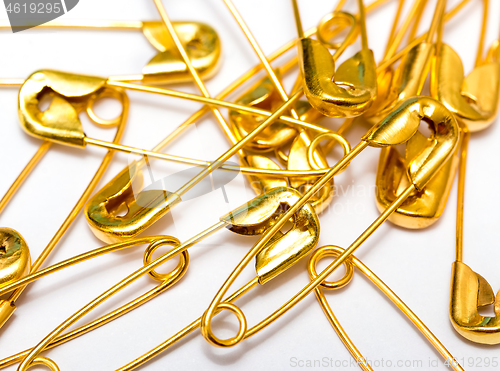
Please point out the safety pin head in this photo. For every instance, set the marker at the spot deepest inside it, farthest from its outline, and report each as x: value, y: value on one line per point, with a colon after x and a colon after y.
x: 405, y: 82
x: 202, y: 45
x: 142, y: 208
x: 70, y: 95
x: 284, y: 249
x: 15, y: 258
x: 470, y: 291
x: 422, y: 208
x: 323, y: 85
x: 475, y: 98
x: 262, y: 95
x: 264, y: 183
x: 403, y: 123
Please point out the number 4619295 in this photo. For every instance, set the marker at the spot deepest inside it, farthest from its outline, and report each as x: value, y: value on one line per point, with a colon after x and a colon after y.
x: 34, y: 8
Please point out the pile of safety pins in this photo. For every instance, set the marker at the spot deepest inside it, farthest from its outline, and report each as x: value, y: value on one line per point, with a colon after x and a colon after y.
x: 269, y: 127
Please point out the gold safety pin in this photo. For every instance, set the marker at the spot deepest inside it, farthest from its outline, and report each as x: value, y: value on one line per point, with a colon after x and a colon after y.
x: 397, y: 128
x: 85, y: 101
x: 323, y: 85
x: 202, y: 42
x: 350, y: 263
x: 40, y: 124
x: 424, y: 207
x: 315, y: 257
x: 116, y: 193
x: 469, y: 290
x: 252, y: 218
x: 297, y: 158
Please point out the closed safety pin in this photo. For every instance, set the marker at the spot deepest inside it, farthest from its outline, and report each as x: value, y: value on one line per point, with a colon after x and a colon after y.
x: 350, y: 263
x: 397, y: 128
x: 65, y: 113
x: 469, y: 290
x: 202, y: 41
x: 322, y: 83
x: 117, y: 192
x: 297, y: 159
x: 423, y: 207
x: 252, y: 218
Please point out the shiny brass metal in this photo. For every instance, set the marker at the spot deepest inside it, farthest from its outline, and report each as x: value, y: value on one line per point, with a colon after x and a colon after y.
x: 350, y: 263
x: 251, y: 218
x: 397, y: 128
x: 202, y: 45
x: 331, y: 24
x: 201, y: 41
x: 407, y: 80
x: 15, y: 261
x: 14, y: 256
x: 262, y: 184
x: 469, y: 292
x: 473, y: 99
x: 347, y: 92
x: 424, y: 207
x: 262, y: 95
x: 70, y: 94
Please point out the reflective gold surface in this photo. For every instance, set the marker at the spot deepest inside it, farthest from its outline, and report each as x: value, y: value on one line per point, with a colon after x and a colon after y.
x: 424, y: 207
x: 202, y: 45
x: 469, y: 292
x: 403, y: 123
x: 70, y: 95
x: 142, y: 208
x: 265, y: 96
x: 284, y: 249
x: 473, y: 99
x: 15, y: 261
x: 323, y: 86
x: 407, y: 80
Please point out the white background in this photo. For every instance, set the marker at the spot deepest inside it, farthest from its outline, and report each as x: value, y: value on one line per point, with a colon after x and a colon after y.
x: 415, y: 264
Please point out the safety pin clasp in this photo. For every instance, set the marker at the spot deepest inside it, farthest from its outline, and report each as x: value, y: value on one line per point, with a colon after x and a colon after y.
x: 322, y: 84
x: 473, y: 99
x: 70, y: 95
x: 403, y: 123
x: 423, y: 208
x: 202, y: 45
x: 284, y: 249
x: 405, y: 82
x: 142, y: 208
x: 262, y: 95
x: 470, y: 291
x: 15, y: 262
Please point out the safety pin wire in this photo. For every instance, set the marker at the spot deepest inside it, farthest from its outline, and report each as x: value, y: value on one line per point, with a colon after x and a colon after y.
x: 42, y: 150
x: 156, y: 351
x: 351, y: 262
x: 199, y: 83
x: 149, y: 267
x: 74, y: 212
x: 168, y: 280
x: 342, y: 334
x: 465, y: 146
